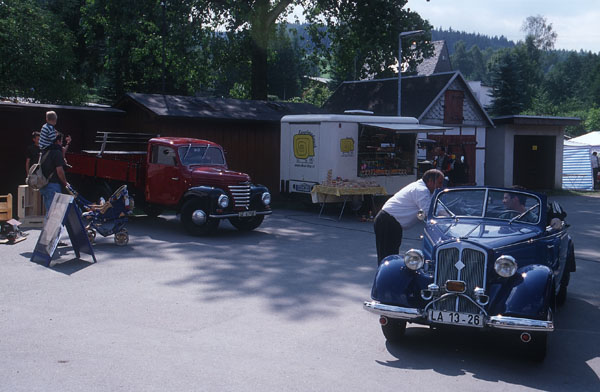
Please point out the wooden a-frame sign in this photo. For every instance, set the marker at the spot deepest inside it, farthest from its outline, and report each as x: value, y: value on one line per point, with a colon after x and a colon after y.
x: 63, y: 212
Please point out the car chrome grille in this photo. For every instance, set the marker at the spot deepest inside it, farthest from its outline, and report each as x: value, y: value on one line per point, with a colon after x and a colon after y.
x: 240, y: 195
x: 460, y: 263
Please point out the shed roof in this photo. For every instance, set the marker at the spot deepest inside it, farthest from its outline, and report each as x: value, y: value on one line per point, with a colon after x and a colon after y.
x: 536, y: 120
x: 180, y: 106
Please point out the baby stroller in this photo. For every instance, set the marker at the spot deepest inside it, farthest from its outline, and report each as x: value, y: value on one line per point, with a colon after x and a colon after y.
x: 107, y: 217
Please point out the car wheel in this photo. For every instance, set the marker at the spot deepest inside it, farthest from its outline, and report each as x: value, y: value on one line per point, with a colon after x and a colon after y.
x: 394, y: 330
x: 91, y: 233
x: 122, y: 237
x: 247, y: 224
x: 538, y: 346
x: 561, y: 297
x: 194, y: 216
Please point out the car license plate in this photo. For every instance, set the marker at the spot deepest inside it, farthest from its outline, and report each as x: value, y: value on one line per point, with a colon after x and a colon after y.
x: 456, y: 318
x: 246, y: 214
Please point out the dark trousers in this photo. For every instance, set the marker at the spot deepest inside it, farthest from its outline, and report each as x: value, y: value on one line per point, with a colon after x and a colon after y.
x: 388, y: 235
x: 595, y: 175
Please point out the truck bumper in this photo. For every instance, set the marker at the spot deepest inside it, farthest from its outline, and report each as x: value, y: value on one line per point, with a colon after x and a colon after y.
x: 237, y: 215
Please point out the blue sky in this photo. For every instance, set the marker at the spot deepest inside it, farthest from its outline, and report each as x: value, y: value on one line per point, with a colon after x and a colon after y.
x: 576, y: 22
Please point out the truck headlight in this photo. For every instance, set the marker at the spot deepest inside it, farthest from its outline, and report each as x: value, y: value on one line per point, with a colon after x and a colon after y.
x: 223, y: 201
x: 266, y: 198
x: 505, y: 266
x: 413, y: 259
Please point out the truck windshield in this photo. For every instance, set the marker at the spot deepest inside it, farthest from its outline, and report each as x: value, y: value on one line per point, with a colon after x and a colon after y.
x: 201, y: 155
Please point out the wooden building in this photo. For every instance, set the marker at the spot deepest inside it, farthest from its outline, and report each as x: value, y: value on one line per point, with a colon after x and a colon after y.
x: 19, y: 120
x: 249, y: 131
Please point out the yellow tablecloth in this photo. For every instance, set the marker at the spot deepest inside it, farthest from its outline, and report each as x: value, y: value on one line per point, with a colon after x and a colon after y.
x: 342, y: 191
x: 334, y: 194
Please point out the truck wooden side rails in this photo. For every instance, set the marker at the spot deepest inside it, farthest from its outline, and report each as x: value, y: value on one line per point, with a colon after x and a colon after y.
x: 187, y: 175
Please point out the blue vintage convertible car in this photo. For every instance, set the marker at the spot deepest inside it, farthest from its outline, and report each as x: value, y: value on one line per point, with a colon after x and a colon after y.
x: 491, y: 258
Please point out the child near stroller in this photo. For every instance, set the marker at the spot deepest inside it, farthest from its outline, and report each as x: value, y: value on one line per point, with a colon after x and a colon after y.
x: 107, y: 217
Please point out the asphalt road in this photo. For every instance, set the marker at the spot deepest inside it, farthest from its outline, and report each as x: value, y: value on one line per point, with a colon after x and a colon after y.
x: 277, y: 309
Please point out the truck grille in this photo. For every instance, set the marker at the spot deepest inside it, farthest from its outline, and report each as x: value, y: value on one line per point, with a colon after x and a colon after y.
x: 240, y: 195
x: 460, y: 263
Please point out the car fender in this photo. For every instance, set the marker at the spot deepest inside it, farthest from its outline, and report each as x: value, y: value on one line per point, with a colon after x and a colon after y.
x: 395, y: 284
x: 207, y: 193
x: 526, y: 294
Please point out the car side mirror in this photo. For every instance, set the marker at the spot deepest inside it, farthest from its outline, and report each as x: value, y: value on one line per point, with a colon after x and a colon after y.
x: 421, y: 215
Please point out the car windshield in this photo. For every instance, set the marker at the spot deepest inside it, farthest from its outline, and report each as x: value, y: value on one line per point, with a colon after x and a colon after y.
x: 201, y: 155
x: 510, y: 205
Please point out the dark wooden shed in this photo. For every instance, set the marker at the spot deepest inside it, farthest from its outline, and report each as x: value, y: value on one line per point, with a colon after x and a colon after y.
x: 249, y: 131
x: 19, y: 120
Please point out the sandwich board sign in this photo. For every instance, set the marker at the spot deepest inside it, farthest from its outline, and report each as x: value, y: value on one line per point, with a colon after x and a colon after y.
x: 63, y: 212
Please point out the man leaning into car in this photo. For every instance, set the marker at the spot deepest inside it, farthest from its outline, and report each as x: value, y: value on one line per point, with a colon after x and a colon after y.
x: 400, y: 211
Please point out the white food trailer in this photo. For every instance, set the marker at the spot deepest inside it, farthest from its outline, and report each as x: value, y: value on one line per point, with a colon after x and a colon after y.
x: 378, y: 149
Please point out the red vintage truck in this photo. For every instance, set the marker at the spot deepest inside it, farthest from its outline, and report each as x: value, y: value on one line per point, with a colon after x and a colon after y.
x: 187, y: 175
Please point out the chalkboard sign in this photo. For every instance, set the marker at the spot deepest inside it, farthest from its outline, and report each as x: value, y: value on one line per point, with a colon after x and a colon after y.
x: 63, y: 212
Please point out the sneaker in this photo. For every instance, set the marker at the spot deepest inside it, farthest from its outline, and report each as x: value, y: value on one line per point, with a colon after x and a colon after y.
x: 60, y: 243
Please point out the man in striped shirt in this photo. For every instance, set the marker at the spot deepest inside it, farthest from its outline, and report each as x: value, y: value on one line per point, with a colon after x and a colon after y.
x: 48, y: 132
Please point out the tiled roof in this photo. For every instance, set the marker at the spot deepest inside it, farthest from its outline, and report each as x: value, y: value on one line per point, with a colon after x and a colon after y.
x: 381, y: 96
x: 439, y: 62
x: 216, y: 108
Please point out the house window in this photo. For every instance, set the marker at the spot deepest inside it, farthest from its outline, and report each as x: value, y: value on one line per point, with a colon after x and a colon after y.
x: 453, y: 107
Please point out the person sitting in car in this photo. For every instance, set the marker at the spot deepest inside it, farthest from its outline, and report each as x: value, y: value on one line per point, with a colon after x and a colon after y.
x: 516, y: 202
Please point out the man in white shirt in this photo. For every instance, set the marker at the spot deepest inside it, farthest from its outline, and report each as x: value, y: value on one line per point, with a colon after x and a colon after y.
x: 400, y: 211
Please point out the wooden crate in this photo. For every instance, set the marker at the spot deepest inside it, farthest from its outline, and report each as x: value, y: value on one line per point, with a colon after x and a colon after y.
x: 6, y: 212
x: 30, y: 207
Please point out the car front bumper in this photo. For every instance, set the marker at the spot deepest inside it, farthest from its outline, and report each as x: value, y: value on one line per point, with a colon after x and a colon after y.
x: 420, y: 317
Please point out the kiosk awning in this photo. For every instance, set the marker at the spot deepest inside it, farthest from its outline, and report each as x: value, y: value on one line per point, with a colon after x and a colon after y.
x: 406, y: 127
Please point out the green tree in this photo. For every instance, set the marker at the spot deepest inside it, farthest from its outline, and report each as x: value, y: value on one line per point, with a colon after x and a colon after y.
x: 146, y: 46
x: 507, y: 85
x: 462, y: 60
x: 363, y: 37
x: 478, y: 71
x: 541, y: 31
x: 36, y: 56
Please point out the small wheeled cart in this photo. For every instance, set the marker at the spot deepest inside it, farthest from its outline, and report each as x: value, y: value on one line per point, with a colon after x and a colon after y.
x: 108, y: 217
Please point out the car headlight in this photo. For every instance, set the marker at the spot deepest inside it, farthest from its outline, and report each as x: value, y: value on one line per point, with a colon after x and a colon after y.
x: 413, y: 259
x: 223, y: 201
x: 266, y: 198
x: 505, y: 266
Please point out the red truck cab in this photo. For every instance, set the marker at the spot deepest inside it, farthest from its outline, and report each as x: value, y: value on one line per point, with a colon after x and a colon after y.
x: 187, y: 175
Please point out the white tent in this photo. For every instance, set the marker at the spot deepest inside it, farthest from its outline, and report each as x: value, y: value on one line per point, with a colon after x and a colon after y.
x: 592, y: 139
x: 577, y: 166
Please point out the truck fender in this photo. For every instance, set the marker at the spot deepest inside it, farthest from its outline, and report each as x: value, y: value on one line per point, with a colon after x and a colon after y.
x: 208, y: 193
x: 527, y: 294
x: 395, y: 284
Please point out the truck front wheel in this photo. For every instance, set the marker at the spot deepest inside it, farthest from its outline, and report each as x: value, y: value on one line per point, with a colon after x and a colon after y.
x: 194, y: 216
x: 247, y: 224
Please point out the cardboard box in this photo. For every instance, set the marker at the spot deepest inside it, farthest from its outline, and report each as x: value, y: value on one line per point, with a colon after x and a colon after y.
x: 6, y: 212
x: 30, y: 208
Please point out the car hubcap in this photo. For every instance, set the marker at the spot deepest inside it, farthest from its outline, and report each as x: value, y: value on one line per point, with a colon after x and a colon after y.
x: 199, y: 217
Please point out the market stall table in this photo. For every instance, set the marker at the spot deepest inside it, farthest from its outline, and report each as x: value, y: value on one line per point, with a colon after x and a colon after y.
x: 320, y: 194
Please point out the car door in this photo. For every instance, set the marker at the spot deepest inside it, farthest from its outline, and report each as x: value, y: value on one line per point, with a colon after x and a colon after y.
x: 164, y: 182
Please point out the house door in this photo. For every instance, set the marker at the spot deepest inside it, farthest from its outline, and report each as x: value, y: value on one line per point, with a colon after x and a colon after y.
x: 534, y: 161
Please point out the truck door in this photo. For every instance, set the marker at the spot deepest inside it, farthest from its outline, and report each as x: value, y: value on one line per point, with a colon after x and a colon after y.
x: 164, y: 180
